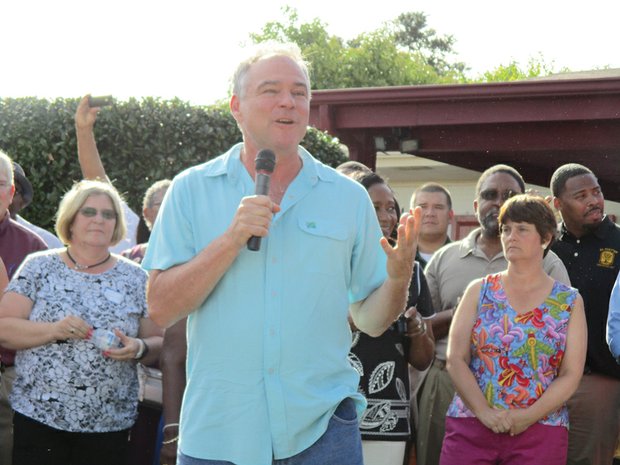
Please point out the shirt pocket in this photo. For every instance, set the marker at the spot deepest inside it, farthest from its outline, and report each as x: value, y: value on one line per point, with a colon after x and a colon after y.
x: 322, y: 228
x: 324, y: 245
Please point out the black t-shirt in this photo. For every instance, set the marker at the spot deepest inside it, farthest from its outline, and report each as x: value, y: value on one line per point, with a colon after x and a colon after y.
x: 592, y: 263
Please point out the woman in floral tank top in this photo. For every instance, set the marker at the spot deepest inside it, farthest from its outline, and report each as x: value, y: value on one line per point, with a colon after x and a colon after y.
x: 516, y: 352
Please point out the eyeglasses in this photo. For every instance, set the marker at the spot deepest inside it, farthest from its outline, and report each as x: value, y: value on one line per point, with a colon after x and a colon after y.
x: 494, y: 194
x: 90, y: 212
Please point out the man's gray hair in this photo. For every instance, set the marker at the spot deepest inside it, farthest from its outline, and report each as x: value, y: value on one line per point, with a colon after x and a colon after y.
x: 6, y: 166
x: 266, y: 50
x: 149, y: 195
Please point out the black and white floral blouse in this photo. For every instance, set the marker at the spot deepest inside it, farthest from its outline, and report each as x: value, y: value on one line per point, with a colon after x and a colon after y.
x: 70, y: 385
x: 382, y: 363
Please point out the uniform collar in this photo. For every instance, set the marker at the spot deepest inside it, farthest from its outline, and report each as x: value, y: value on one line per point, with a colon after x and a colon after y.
x: 601, y: 232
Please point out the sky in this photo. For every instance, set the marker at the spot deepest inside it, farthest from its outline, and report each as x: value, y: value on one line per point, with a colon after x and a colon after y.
x: 188, y: 49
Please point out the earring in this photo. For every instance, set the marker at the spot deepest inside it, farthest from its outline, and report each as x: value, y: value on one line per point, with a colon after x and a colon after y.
x: 544, y: 246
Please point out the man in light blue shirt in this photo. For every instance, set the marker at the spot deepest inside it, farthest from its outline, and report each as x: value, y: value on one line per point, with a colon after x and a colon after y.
x: 268, y: 380
x: 613, y: 321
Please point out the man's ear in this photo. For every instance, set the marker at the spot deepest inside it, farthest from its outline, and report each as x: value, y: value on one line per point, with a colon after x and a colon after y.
x: 450, y: 214
x: 234, y: 107
x: 557, y: 203
x: 146, y: 214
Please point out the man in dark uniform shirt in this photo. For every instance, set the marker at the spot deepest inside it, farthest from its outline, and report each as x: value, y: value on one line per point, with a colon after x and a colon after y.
x: 589, y: 244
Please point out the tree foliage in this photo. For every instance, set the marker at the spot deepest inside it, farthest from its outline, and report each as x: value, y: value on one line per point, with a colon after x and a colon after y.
x: 140, y: 141
x: 411, y: 31
x: 402, y: 52
x: 513, y: 71
x: 405, y: 51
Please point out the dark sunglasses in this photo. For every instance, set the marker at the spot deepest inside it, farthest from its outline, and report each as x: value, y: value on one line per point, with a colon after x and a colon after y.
x: 90, y: 212
x: 494, y: 194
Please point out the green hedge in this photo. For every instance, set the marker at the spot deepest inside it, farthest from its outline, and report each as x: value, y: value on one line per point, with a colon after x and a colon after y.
x: 140, y: 141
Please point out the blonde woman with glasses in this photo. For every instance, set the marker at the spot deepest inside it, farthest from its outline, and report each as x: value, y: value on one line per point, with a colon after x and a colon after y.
x: 77, y: 318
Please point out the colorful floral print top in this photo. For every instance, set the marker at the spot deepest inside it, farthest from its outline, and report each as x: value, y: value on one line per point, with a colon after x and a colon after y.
x: 515, y: 357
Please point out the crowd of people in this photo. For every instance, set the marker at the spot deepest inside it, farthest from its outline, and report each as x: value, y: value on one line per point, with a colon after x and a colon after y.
x: 357, y: 333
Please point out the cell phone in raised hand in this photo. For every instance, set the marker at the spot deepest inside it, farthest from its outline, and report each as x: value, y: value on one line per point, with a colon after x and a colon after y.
x: 100, y: 101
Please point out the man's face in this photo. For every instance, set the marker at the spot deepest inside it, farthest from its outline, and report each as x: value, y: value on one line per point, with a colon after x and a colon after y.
x: 150, y: 213
x: 274, y: 106
x: 581, y: 204
x: 18, y: 202
x: 495, y: 190
x: 6, y: 193
x: 436, y: 215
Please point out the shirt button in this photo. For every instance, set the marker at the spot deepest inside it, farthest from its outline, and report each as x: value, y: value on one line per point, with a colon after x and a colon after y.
x: 576, y: 254
x: 274, y: 294
x: 270, y: 371
x: 274, y: 260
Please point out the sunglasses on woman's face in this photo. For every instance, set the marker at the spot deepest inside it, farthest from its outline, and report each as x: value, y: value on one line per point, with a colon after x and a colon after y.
x: 90, y: 212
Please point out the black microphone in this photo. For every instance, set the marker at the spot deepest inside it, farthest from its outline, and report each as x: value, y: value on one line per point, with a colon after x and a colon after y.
x: 265, y: 163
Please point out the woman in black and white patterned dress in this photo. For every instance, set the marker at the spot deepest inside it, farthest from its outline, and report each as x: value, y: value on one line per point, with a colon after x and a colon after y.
x: 75, y: 402
x: 383, y: 362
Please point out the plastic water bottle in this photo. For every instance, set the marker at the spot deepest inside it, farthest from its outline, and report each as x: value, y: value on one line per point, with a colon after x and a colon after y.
x: 105, y: 339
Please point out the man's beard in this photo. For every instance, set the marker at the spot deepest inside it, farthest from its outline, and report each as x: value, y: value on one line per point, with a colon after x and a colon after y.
x: 590, y: 227
x: 489, y: 224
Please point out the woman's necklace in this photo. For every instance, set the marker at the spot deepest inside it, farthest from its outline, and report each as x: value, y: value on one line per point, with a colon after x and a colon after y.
x: 80, y: 267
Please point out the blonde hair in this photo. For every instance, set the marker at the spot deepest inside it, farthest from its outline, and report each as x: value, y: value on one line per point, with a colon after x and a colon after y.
x: 73, y: 200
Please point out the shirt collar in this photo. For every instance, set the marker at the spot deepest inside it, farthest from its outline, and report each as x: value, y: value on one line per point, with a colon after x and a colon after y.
x: 230, y: 163
x: 601, y: 232
x: 468, y: 244
x: 4, y: 222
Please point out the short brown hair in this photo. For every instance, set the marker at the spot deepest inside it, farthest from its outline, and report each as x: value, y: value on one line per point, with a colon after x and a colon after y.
x: 432, y: 187
x: 532, y: 209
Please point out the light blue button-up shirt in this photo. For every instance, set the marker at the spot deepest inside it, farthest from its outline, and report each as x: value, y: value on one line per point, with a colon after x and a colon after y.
x: 267, y: 351
x: 613, y: 320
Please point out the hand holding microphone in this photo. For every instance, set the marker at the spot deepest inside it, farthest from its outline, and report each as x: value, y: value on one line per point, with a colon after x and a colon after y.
x: 265, y: 163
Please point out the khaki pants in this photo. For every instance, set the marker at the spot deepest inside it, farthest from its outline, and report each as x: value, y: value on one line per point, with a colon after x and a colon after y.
x: 6, y: 416
x: 435, y: 397
x: 594, y: 416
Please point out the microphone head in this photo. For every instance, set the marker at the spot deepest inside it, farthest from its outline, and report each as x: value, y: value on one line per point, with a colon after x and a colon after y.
x: 265, y: 161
